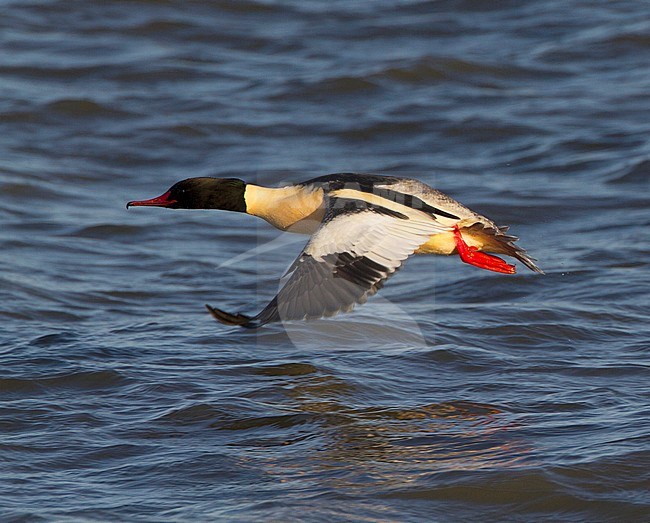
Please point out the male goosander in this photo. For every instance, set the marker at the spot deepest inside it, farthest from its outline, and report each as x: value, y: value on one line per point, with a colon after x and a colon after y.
x: 362, y: 226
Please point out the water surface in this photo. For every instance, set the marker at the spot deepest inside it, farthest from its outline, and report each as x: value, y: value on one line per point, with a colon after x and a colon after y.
x: 455, y: 394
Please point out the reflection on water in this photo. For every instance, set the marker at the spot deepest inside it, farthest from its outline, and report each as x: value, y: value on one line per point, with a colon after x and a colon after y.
x: 394, y: 445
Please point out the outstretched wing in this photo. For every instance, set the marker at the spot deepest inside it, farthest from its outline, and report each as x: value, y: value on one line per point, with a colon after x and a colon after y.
x: 357, y: 248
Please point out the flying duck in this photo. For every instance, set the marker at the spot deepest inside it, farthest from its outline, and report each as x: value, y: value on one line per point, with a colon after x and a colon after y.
x: 363, y: 227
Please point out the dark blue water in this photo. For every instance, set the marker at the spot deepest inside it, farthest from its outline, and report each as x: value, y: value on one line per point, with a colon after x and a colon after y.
x: 453, y: 395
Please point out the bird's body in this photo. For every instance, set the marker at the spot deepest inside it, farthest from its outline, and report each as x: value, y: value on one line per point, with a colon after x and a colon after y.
x: 362, y: 227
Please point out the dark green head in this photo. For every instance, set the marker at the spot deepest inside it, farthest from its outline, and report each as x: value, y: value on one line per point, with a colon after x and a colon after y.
x: 200, y: 193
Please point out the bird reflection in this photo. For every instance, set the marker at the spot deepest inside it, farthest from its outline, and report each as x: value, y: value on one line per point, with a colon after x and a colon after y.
x: 394, y: 445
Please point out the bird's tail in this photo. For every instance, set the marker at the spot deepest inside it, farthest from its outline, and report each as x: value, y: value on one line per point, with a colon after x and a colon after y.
x: 497, y: 241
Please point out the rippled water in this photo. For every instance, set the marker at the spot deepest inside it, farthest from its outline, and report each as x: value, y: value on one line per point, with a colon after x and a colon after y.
x: 455, y: 394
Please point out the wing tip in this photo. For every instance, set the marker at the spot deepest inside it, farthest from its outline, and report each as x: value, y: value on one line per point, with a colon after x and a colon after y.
x: 239, y: 320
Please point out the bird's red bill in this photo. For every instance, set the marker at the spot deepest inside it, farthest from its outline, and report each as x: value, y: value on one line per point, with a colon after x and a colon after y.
x: 480, y: 259
x: 164, y: 200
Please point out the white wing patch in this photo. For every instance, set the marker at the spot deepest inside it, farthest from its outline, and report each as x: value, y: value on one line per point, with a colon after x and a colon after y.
x: 356, y: 249
x: 384, y: 239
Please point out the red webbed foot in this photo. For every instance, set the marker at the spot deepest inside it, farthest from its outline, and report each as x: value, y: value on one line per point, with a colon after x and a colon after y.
x: 480, y: 259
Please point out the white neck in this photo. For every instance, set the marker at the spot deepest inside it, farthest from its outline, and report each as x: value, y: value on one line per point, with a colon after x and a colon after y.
x: 286, y: 206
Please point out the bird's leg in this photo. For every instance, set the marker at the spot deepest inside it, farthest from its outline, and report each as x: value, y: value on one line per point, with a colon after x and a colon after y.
x: 480, y: 259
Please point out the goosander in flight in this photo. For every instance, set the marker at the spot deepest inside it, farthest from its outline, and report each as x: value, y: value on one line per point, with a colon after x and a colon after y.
x: 363, y: 228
